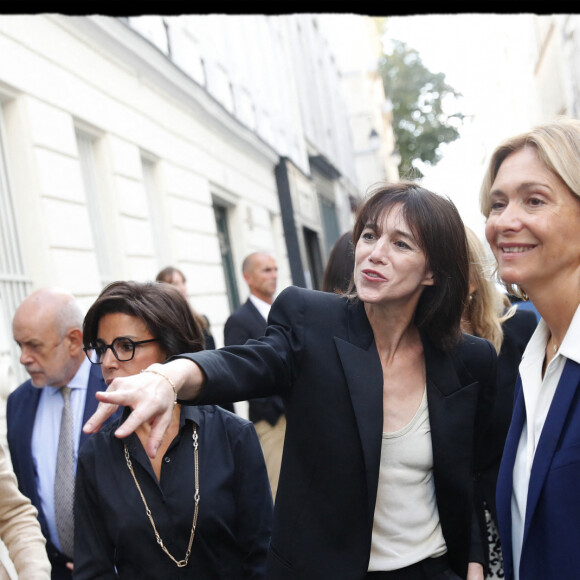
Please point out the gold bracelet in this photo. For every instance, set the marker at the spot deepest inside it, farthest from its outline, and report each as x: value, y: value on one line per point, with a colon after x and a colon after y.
x: 167, y: 379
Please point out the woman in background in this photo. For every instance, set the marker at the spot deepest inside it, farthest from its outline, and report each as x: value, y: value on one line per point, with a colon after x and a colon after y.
x: 176, y: 278
x: 202, y: 508
x: 340, y: 266
x: 489, y: 314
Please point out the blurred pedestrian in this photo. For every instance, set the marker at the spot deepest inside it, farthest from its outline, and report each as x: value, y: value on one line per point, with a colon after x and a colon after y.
x: 340, y: 266
x: 176, y: 278
x: 249, y: 321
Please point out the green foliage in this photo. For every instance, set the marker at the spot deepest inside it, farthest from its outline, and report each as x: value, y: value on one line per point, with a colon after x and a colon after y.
x: 419, y: 120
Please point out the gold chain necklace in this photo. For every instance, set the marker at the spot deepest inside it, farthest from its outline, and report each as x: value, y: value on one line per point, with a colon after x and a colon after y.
x: 180, y: 563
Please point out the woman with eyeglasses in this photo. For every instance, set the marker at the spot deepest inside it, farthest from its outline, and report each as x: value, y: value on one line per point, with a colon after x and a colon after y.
x: 202, y: 508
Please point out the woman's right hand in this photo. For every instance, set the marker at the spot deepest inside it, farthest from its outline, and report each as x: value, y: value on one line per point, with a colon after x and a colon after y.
x: 151, y: 398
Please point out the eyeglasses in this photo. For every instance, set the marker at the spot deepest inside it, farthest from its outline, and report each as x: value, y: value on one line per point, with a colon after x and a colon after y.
x: 122, y: 347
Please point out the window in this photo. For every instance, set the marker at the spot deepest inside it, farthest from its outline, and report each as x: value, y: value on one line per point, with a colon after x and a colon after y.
x: 315, y: 272
x: 14, y: 285
x: 87, y: 159
x: 158, y: 231
x: 221, y: 218
x: 329, y: 223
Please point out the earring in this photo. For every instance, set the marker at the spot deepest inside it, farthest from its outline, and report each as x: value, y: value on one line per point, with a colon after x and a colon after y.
x: 523, y: 294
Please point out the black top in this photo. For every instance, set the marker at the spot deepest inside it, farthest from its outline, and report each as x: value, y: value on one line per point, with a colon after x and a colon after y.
x: 235, y: 509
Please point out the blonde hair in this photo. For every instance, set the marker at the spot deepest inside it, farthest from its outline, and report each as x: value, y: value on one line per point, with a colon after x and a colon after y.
x: 485, y: 309
x: 557, y: 144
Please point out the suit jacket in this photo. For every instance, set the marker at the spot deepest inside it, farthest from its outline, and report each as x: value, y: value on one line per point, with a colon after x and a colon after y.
x: 517, y: 332
x: 20, y: 415
x: 552, y: 524
x: 246, y: 323
x: 319, y: 353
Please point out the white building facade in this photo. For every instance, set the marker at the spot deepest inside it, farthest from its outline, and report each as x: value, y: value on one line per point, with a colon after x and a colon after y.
x: 130, y: 144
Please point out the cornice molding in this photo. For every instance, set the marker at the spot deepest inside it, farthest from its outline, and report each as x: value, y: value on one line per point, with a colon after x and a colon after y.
x: 136, y: 52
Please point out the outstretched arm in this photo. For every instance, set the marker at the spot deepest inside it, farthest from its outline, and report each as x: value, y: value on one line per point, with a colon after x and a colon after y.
x: 151, y: 396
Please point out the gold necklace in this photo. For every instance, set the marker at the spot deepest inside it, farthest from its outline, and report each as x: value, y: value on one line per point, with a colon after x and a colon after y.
x: 180, y: 563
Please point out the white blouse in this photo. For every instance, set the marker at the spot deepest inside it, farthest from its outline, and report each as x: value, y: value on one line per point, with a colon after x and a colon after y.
x: 406, y: 526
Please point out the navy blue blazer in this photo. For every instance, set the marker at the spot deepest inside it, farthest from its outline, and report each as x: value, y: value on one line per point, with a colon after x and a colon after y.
x: 552, y: 526
x: 20, y: 415
x: 319, y: 353
x: 246, y: 323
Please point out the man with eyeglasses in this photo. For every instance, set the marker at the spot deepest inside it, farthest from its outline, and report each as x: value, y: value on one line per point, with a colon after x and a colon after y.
x: 48, y: 328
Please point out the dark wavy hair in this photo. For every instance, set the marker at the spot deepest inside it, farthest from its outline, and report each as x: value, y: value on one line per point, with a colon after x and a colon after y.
x: 161, y: 307
x: 440, y: 233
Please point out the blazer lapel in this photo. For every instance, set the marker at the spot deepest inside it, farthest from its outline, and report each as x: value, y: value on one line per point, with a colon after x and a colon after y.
x: 364, y: 376
x: 550, y: 436
x: 27, y: 418
x: 95, y: 383
x: 442, y: 382
x: 259, y: 321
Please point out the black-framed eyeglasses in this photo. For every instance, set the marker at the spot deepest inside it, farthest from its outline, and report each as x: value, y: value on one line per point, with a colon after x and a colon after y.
x: 122, y: 347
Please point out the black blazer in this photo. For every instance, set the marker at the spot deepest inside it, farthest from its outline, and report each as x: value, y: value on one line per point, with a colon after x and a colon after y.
x: 245, y: 323
x: 319, y: 354
x: 517, y: 332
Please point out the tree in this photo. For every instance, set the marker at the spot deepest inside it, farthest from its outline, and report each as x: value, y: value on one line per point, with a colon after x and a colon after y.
x: 420, y: 123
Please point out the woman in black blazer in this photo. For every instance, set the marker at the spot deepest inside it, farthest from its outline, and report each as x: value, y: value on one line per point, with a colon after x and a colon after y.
x: 380, y: 388
x: 489, y: 314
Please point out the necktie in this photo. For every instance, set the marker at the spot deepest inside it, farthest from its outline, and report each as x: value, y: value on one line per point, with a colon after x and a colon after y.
x: 65, y: 478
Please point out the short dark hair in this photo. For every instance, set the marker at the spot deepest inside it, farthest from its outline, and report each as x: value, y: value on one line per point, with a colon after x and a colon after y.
x: 161, y: 307
x: 340, y: 266
x: 440, y: 233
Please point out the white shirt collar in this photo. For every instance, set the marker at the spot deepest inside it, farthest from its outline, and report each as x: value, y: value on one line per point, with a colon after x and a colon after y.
x: 570, y: 347
x: 536, y: 348
x: 263, y: 307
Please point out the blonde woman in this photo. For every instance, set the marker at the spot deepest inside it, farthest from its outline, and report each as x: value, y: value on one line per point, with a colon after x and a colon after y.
x: 489, y: 314
x: 531, y: 198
